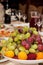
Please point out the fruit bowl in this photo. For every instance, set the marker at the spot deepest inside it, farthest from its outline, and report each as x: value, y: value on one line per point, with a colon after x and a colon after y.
x: 25, y: 61
x: 23, y: 46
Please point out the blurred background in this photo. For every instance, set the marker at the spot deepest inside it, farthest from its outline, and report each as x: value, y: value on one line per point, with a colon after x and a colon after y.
x: 25, y: 6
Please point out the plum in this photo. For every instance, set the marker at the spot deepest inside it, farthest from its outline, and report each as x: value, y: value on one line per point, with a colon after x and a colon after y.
x: 31, y: 56
x: 20, y: 30
x: 40, y: 47
x: 25, y: 44
x: 30, y: 40
x: 38, y: 39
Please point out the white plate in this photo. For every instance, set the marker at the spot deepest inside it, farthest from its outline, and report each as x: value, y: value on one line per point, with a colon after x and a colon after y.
x: 3, y: 60
x: 25, y: 61
x: 13, y: 19
x: 21, y: 24
x: 41, y: 33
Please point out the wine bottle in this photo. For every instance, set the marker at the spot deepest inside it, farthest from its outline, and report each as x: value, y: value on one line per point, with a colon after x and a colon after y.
x: 7, y: 16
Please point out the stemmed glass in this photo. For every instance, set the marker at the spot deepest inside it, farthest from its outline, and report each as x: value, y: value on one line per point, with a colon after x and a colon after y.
x: 42, y: 20
x: 39, y: 23
x: 34, y: 17
x: 24, y: 17
x: 19, y: 14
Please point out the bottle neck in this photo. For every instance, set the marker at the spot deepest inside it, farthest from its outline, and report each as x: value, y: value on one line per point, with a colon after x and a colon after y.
x: 7, y: 5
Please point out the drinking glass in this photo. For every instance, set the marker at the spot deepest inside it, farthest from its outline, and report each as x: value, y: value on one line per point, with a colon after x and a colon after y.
x: 39, y: 23
x: 42, y: 20
x: 19, y: 14
x: 24, y: 17
x: 34, y: 17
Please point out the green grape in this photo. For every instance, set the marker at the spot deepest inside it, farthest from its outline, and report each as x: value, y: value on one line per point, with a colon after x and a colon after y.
x: 21, y: 48
x: 9, y: 44
x: 14, y: 33
x: 26, y: 35
x: 14, y: 44
x: 0, y: 48
x: 19, y: 37
x: 3, y: 51
x: 16, y: 39
x: 32, y: 50
x: 22, y: 36
x: 4, y: 42
x: 34, y: 29
x: 25, y: 29
x: 35, y: 46
x: 16, y: 51
x: 10, y: 39
x: 35, y: 32
x: 19, y: 45
x: 19, y: 42
x: 11, y: 47
x: 27, y: 51
x: 31, y: 28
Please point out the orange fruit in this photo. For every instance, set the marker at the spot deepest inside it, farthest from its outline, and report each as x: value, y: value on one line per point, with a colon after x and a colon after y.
x: 9, y: 54
x: 22, y: 55
x: 39, y: 55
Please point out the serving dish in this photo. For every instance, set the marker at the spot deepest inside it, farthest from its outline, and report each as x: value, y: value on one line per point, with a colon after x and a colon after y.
x: 3, y: 60
x: 24, y: 46
x: 25, y: 61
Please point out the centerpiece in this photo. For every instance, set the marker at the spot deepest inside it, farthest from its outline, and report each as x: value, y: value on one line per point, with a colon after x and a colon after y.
x: 24, y: 45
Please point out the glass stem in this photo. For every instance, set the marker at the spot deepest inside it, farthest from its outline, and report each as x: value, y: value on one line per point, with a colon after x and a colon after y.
x: 24, y: 21
x: 38, y: 28
x: 35, y: 21
x: 19, y: 19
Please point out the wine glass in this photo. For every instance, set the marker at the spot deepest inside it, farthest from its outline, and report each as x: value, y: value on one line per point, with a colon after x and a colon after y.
x: 42, y: 20
x: 24, y: 17
x: 34, y: 17
x: 19, y: 14
x: 39, y: 23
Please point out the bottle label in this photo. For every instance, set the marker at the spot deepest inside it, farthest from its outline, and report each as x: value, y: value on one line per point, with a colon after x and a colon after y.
x: 8, y: 12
